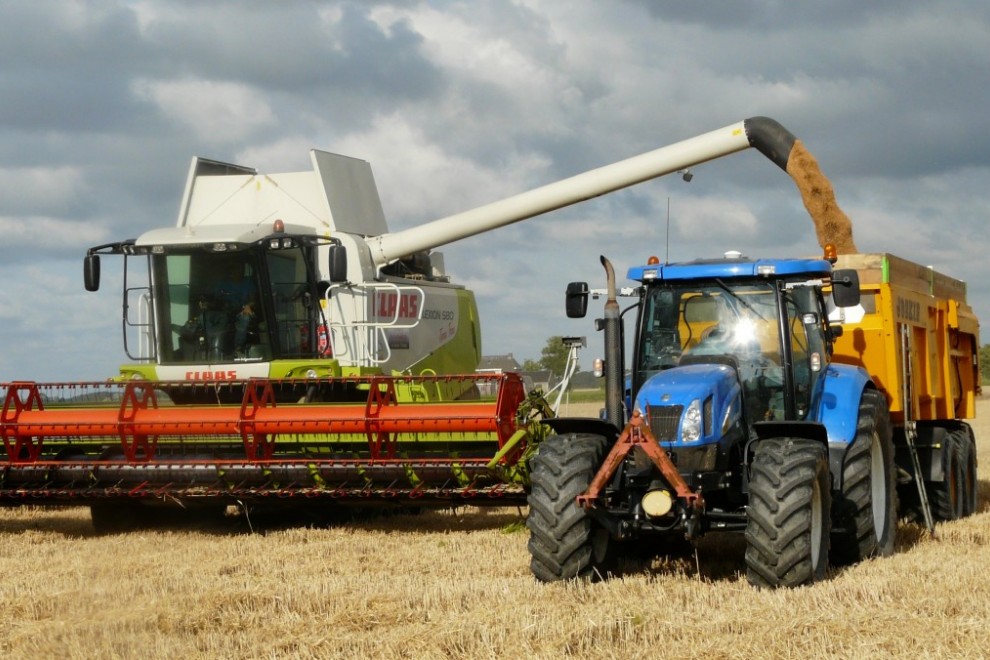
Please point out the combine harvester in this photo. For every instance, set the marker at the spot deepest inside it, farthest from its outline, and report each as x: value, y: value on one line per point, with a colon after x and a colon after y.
x: 288, y: 349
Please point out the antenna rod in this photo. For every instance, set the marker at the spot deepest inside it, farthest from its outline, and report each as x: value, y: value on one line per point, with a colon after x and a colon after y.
x: 666, y: 256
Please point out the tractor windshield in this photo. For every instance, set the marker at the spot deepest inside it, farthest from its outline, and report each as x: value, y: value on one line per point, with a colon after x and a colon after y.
x: 736, y: 323
x: 242, y: 306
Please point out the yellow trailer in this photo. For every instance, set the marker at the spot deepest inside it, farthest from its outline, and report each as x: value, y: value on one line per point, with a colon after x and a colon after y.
x: 919, y: 339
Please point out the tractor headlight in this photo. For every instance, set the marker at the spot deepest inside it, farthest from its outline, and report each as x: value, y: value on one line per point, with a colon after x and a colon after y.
x: 691, y: 426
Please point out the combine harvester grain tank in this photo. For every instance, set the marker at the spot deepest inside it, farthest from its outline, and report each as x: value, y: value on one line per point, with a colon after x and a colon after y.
x: 288, y: 348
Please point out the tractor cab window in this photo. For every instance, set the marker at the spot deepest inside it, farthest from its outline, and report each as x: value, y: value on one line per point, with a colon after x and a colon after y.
x: 807, y: 329
x: 728, y: 322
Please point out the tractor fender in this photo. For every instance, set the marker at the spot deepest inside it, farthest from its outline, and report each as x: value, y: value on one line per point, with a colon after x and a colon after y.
x: 591, y: 425
x: 842, y: 390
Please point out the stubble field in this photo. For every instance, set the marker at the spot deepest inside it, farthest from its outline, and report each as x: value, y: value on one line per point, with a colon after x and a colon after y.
x: 457, y: 584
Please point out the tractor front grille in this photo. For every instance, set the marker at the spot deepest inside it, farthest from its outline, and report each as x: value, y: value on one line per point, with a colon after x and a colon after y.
x: 664, y: 422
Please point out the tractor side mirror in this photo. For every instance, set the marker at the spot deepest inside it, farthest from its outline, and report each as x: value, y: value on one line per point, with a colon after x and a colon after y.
x: 337, y: 263
x: 845, y: 287
x: 577, y: 300
x: 91, y: 272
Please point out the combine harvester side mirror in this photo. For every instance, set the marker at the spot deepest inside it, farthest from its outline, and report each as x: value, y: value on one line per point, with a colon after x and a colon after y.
x: 337, y: 263
x: 91, y: 272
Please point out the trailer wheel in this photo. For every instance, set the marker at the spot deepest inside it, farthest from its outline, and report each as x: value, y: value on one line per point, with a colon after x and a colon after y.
x: 787, y: 520
x: 864, y: 516
x: 565, y: 542
x: 971, y: 488
x: 948, y: 496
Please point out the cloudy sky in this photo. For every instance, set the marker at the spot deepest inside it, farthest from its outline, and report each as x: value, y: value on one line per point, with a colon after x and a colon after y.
x: 457, y: 104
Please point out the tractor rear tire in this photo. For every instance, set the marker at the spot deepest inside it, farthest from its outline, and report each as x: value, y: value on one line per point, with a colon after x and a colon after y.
x: 864, y: 516
x: 948, y: 496
x: 787, y: 520
x: 565, y: 542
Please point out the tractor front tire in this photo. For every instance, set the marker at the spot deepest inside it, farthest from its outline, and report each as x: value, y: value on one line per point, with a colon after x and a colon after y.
x: 565, y: 542
x: 787, y: 520
x: 864, y: 516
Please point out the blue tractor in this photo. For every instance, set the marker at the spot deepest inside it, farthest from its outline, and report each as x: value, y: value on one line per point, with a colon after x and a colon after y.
x: 731, y: 417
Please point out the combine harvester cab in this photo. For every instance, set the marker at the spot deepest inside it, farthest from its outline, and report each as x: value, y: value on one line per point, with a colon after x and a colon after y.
x: 269, y: 276
x: 767, y: 398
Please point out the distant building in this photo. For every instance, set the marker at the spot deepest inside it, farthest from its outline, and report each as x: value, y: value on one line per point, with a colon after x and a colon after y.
x: 499, y: 364
x: 541, y: 380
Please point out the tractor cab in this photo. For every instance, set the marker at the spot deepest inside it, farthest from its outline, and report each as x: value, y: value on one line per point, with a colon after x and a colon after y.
x: 755, y: 327
x: 711, y: 328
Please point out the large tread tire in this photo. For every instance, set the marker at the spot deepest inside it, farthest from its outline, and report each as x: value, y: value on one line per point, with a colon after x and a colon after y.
x: 864, y: 515
x: 971, y: 487
x: 948, y: 496
x: 787, y: 520
x: 565, y: 542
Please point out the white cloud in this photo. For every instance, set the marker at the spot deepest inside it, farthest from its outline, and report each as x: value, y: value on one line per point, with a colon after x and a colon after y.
x: 417, y: 176
x: 39, y: 232
x: 52, y: 188
x: 217, y: 112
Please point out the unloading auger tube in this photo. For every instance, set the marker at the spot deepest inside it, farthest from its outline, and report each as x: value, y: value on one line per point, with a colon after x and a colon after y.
x: 767, y: 135
x: 90, y: 441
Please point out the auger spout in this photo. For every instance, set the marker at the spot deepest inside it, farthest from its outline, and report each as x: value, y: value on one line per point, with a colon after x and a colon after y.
x: 766, y: 135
